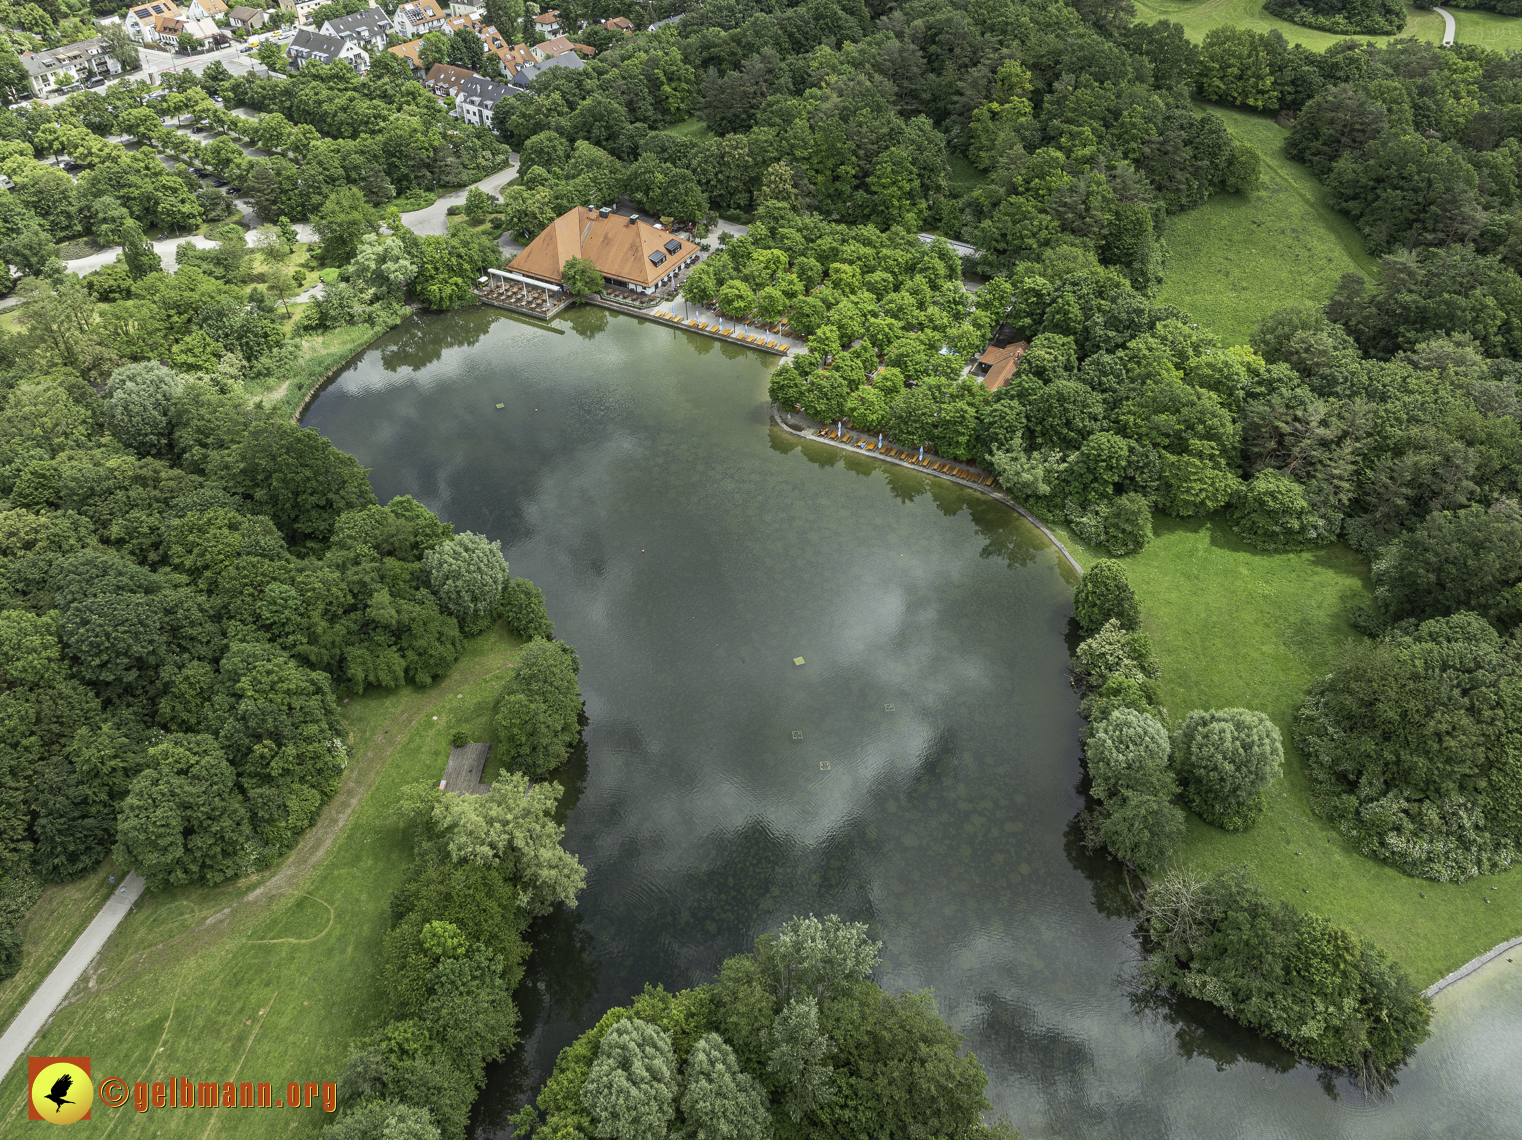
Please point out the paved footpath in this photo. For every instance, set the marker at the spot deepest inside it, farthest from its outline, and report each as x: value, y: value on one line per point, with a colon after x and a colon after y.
x: 34, y: 1017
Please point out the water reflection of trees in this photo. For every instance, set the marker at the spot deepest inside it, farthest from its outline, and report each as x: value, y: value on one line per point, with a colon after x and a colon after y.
x: 559, y: 984
x: 422, y: 340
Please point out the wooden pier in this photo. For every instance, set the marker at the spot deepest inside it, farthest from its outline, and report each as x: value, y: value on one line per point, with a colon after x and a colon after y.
x: 467, y: 764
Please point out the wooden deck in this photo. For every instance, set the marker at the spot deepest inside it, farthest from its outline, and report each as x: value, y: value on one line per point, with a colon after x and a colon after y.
x: 467, y: 764
x: 514, y: 305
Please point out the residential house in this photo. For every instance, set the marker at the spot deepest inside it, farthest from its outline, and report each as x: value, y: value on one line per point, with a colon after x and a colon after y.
x: 513, y: 56
x: 144, y: 21
x: 629, y: 253
x: 663, y: 23
x: 525, y: 74
x: 619, y: 24
x: 445, y: 79
x: 559, y: 46
x: 477, y: 99
x: 63, y: 66
x: 308, y: 46
x: 456, y: 8
x: 548, y: 23
x: 415, y: 20
x: 368, y: 29
x: 204, y: 30
x: 302, y: 8
x: 411, y: 52
x: 207, y: 9
x: 245, y: 17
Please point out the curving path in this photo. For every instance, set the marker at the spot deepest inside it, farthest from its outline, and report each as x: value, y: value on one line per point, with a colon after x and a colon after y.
x: 1449, y: 26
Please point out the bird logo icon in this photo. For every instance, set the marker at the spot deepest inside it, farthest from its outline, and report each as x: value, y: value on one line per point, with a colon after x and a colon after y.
x: 61, y: 1089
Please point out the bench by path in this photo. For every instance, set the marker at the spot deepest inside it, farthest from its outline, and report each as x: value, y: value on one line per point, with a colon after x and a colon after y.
x: 35, y: 1015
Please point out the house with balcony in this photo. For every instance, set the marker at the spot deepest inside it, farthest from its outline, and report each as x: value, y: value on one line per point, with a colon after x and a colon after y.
x: 62, y: 66
x: 308, y: 46
x: 414, y: 21
x: 367, y: 29
x: 478, y: 98
x: 444, y: 80
x: 144, y: 22
x: 548, y: 23
x: 207, y: 9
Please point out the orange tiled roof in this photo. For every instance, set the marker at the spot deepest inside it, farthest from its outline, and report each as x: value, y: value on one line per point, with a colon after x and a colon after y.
x: 618, y: 249
x: 409, y: 51
x: 1001, y: 363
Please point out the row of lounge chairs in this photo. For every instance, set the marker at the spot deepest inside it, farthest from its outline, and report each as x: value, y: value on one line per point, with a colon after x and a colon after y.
x: 934, y: 462
x: 703, y: 326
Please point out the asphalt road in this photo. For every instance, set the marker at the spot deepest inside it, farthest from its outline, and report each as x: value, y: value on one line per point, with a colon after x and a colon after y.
x: 1450, y: 27
x: 34, y: 1017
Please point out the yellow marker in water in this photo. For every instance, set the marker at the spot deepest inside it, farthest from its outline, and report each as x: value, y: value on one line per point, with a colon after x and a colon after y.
x: 797, y: 660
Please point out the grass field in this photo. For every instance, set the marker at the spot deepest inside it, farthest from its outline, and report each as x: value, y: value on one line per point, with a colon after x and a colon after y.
x: 1199, y: 17
x: 269, y: 978
x: 1235, y: 627
x: 1487, y: 28
x: 1240, y: 256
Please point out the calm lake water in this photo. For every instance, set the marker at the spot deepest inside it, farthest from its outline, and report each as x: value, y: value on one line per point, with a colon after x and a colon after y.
x: 919, y: 770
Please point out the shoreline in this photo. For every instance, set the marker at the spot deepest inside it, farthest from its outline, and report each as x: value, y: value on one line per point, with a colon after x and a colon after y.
x: 997, y: 496
x: 1470, y: 967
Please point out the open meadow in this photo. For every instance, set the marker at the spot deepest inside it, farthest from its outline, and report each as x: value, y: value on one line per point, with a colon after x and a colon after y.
x: 1241, y: 256
x: 1235, y: 627
x: 267, y: 978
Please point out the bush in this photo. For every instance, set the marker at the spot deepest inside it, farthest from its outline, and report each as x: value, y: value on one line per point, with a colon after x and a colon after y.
x: 1103, y: 594
x: 459, y: 738
x: 1271, y: 513
x: 1112, y: 652
x: 522, y: 610
x: 538, y: 715
x: 632, y: 1088
x: 1226, y: 758
x: 1127, y: 525
x: 467, y: 574
x: 1127, y: 756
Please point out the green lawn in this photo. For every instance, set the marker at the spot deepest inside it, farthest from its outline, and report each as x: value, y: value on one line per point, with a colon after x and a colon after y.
x: 1499, y: 33
x: 1199, y: 16
x: 963, y: 176
x: 1240, y: 256
x: 693, y: 128
x: 1235, y: 627
x: 269, y: 978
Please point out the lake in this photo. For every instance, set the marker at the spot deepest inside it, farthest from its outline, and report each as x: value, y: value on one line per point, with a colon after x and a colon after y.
x: 919, y: 770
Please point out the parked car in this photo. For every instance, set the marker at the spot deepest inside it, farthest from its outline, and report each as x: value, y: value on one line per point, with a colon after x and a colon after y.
x: 71, y: 88
x: 233, y: 191
x: 71, y: 167
x: 245, y: 50
x: 98, y: 81
x: 217, y: 99
x: 219, y: 183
